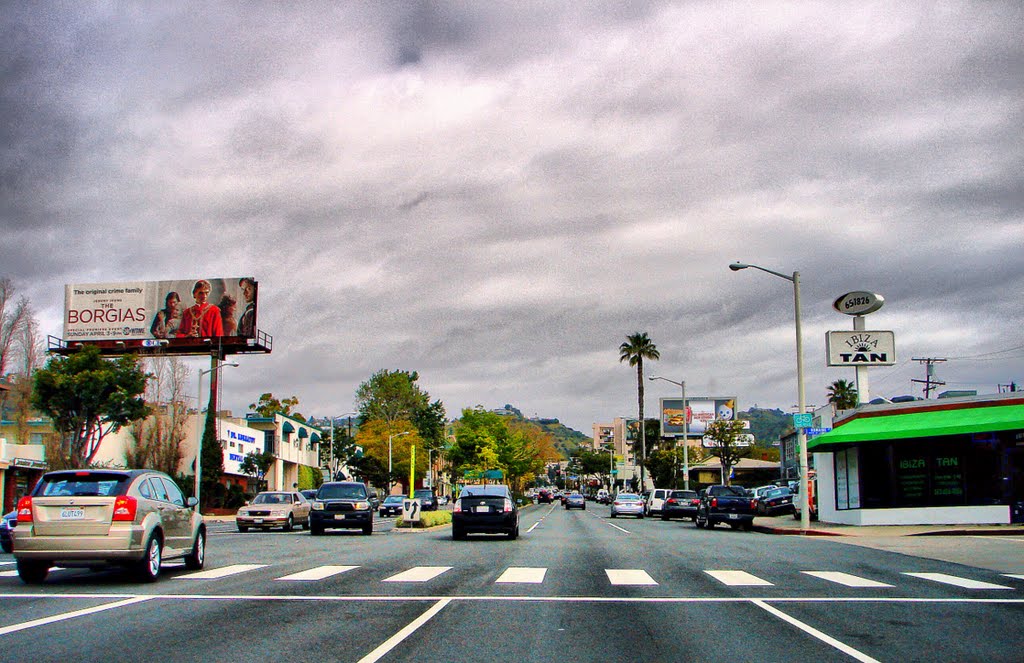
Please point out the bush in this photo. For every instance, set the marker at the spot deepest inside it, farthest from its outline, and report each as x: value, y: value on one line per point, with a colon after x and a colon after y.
x: 428, y: 519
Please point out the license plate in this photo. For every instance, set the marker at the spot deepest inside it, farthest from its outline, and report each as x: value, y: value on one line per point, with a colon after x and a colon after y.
x: 339, y: 516
x: 72, y: 514
x: 733, y: 516
x: 482, y: 509
x: 257, y: 520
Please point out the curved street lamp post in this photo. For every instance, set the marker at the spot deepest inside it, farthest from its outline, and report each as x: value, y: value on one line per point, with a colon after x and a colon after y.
x: 199, y: 420
x: 805, y: 515
x: 686, y: 431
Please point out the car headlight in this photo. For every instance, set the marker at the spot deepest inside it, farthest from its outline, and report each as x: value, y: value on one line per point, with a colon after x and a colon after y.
x: 361, y: 506
x: 243, y: 512
x: 317, y: 506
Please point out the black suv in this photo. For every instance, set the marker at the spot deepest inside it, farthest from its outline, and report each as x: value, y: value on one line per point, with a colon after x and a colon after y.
x: 487, y: 509
x: 428, y: 501
x: 341, y: 505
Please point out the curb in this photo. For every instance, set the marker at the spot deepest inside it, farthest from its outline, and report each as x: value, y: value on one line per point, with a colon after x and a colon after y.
x: 788, y: 531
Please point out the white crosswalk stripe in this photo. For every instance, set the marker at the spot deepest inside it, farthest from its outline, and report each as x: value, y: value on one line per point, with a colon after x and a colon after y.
x: 222, y: 572
x: 1018, y: 576
x: 318, y: 573
x: 845, y: 579
x: 418, y: 574
x: 629, y: 577
x: 956, y: 581
x: 738, y: 579
x: 522, y: 574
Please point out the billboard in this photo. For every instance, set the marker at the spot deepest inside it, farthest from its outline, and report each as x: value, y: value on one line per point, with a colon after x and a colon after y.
x: 161, y: 310
x: 860, y: 348
x: 699, y: 411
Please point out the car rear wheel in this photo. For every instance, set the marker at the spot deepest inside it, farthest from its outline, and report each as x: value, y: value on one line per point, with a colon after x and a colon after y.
x: 664, y: 516
x: 148, y: 568
x: 243, y: 529
x: 458, y: 534
x: 289, y: 524
x: 195, y: 560
x: 368, y: 529
x: 32, y: 572
x: 315, y: 530
x: 514, y: 534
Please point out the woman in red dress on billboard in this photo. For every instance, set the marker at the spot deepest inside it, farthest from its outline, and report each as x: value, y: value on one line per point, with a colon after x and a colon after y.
x: 203, y: 319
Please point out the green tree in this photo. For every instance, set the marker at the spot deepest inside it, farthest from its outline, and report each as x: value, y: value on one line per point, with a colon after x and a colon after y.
x: 391, y: 396
x: 373, y: 438
x: 88, y: 397
x: 267, y: 406
x: 843, y: 394
x: 339, y: 452
x: 637, y: 348
x: 666, y: 467
x: 487, y: 441
x: 724, y: 434
x: 255, y: 466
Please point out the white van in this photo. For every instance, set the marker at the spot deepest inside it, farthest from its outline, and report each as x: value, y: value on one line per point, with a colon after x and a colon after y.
x: 657, y: 498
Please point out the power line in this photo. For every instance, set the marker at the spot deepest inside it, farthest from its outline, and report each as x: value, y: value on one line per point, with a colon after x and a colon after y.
x: 929, y: 380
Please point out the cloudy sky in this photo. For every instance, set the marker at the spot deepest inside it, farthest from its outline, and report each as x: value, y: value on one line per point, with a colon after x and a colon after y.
x: 495, y: 194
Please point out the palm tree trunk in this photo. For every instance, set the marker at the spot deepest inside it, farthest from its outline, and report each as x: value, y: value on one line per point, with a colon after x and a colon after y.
x: 643, y: 432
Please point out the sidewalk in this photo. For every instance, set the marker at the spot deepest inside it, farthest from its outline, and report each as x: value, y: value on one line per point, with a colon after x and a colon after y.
x: 786, y: 525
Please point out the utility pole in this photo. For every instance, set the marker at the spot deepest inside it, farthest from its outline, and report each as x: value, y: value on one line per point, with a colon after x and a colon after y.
x: 929, y: 382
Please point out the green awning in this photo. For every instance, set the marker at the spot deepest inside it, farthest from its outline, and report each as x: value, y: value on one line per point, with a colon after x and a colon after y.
x: 315, y: 438
x: 303, y: 433
x: 960, y: 421
x: 287, y: 428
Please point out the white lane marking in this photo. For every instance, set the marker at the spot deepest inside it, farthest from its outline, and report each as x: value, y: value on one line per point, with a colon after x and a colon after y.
x: 8, y: 574
x: 397, y: 638
x: 810, y: 630
x: 523, y: 574
x: 619, y: 528
x: 845, y: 579
x: 7, y: 563
x: 534, y: 526
x: 418, y: 574
x: 738, y: 579
x: 629, y: 577
x: 997, y: 538
x: 74, y: 613
x: 222, y: 572
x: 966, y: 583
x: 318, y: 573
x: 1018, y: 576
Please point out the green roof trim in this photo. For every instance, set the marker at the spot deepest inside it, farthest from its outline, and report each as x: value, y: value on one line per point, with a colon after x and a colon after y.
x: 960, y: 421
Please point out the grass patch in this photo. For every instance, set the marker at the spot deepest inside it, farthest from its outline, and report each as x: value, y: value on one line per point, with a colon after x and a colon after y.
x: 428, y: 519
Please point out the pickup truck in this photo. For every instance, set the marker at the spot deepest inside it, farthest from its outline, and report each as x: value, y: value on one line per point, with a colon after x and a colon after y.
x: 726, y: 504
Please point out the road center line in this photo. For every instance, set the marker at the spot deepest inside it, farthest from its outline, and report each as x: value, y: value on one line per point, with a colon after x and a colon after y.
x: 397, y: 638
x: 75, y: 613
x: 619, y: 528
x: 810, y: 630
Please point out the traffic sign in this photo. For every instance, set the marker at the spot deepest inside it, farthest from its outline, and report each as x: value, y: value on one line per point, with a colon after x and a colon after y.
x: 803, y: 420
x: 817, y: 431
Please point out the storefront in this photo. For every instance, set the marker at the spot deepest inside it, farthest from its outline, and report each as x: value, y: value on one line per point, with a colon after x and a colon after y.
x: 958, y: 461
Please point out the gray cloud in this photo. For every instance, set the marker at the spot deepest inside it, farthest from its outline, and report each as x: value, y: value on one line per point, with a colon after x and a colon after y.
x: 495, y: 195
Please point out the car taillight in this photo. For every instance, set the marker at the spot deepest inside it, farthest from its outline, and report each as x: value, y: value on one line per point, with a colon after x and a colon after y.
x: 125, y: 508
x: 670, y: 500
x: 714, y: 502
x: 25, y: 510
x: 694, y: 502
x: 457, y: 508
x: 508, y: 506
x: 753, y: 504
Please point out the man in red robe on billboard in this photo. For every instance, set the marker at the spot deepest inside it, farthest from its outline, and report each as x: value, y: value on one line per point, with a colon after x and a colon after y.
x: 203, y: 319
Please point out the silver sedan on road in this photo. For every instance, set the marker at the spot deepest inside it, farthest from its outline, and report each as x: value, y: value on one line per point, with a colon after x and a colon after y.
x: 627, y: 504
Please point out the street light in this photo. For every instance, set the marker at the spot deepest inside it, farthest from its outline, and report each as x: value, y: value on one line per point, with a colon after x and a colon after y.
x: 391, y: 437
x: 347, y: 414
x: 199, y: 421
x: 805, y: 515
x: 686, y: 432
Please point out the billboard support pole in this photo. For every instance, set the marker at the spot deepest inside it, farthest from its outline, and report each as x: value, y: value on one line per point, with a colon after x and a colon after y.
x: 686, y: 440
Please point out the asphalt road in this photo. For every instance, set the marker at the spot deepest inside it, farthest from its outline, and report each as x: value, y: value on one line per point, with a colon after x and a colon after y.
x: 576, y: 586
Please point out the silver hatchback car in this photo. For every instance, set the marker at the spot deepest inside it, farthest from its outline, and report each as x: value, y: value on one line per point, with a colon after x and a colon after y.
x: 627, y: 504
x: 90, y: 518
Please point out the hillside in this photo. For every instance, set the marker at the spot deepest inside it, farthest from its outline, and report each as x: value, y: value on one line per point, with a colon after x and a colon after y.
x: 767, y: 425
x: 567, y: 440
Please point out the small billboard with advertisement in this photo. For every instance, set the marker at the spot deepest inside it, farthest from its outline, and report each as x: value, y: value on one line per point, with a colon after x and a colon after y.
x: 699, y: 411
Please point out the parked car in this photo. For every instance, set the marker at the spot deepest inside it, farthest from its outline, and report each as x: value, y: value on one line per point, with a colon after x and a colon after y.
x: 725, y: 504
x: 627, y: 504
x: 309, y: 493
x: 488, y: 509
x: 428, y: 501
x: 274, y: 509
x: 575, y: 501
x: 812, y: 500
x: 90, y: 518
x: 775, y: 501
x: 341, y: 505
x: 391, y: 506
x: 759, y: 492
x: 7, y: 523
x: 442, y: 500
x: 680, y: 504
x: 655, y: 501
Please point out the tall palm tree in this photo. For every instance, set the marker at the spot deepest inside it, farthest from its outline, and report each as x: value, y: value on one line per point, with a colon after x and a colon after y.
x: 637, y: 348
x: 843, y: 394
